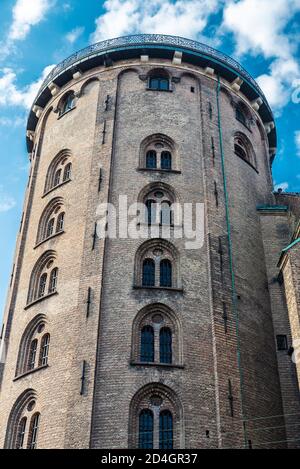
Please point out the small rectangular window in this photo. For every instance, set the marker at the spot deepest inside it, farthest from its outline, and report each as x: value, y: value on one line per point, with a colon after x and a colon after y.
x: 192, y: 89
x: 281, y: 342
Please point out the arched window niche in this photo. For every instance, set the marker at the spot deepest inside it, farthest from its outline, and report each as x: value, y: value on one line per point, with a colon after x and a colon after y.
x: 244, y: 150
x: 158, y: 152
x: 157, y: 265
x: 59, y: 171
x: 161, y: 205
x: 157, y: 337
x: 44, y: 278
x: 34, y: 346
x: 156, y: 418
x: 52, y: 221
x: 24, y: 421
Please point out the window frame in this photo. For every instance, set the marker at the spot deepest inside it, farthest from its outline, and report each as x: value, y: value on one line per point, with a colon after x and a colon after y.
x: 160, y: 79
x: 149, y: 422
x: 280, y: 346
x: 148, y: 278
x: 147, y: 344
x: 33, y: 431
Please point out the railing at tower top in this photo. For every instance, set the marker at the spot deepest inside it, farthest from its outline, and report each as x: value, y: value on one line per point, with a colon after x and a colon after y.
x: 150, y: 39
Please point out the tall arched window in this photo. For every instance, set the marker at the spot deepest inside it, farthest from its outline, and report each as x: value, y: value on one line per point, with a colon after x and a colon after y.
x: 147, y: 344
x: 33, y: 431
x: 43, y: 279
x: 160, y: 204
x: 165, y: 345
x: 146, y: 429
x: 151, y: 160
x: 21, y: 433
x: 42, y: 285
x: 52, y: 220
x: 22, y: 426
x: 165, y: 430
x: 67, y: 172
x: 151, y: 211
x: 165, y: 273
x: 166, y: 160
x: 32, y: 354
x: 156, y: 336
x: 44, y: 351
x: 53, y: 280
x: 166, y: 213
x: 50, y: 227
x: 60, y: 222
x: 57, y: 178
x: 34, y: 346
x: 148, y: 273
x: 59, y: 171
x: 157, y: 265
x: 156, y: 418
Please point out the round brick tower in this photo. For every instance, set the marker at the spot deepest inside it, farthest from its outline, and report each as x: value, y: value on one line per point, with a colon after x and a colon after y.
x: 119, y: 342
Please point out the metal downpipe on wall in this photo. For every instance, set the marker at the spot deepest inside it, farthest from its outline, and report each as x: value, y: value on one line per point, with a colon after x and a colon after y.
x: 230, y: 249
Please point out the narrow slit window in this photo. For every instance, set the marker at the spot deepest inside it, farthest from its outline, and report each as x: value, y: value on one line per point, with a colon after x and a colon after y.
x: 165, y: 430
x: 60, y: 222
x: 148, y: 273
x: 57, y: 178
x: 166, y: 160
x: 166, y: 214
x: 146, y: 429
x: 147, y: 344
x: 32, y: 354
x: 53, y: 280
x: 165, y: 273
x: 21, y: 433
x: 151, y: 211
x: 151, y: 159
x: 165, y: 345
x: 33, y: 432
x: 67, y: 172
x: 45, y: 343
x: 42, y: 285
x: 50, y: 228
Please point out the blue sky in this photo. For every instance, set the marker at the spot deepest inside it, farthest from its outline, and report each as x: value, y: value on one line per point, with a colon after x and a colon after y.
x: 36, y: 34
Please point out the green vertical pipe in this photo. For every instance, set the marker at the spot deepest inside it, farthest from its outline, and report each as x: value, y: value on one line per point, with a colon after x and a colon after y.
x: 233, y: 290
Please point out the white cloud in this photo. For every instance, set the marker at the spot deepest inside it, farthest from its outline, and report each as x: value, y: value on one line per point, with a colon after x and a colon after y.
x: 297, y: 141
x: 6, y: 201
x: 259, y: 27
x: 73, y: 35
x: 283, y: 185
x: 27, y: 13
x: 12, y: 122
x: 183, y: 17
x: 11, y: 95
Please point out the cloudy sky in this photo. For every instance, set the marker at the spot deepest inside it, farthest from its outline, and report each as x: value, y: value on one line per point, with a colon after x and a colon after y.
x: 36, y: 34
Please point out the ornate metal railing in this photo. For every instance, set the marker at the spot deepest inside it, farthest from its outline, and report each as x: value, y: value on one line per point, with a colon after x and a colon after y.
x: 148, y: 39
